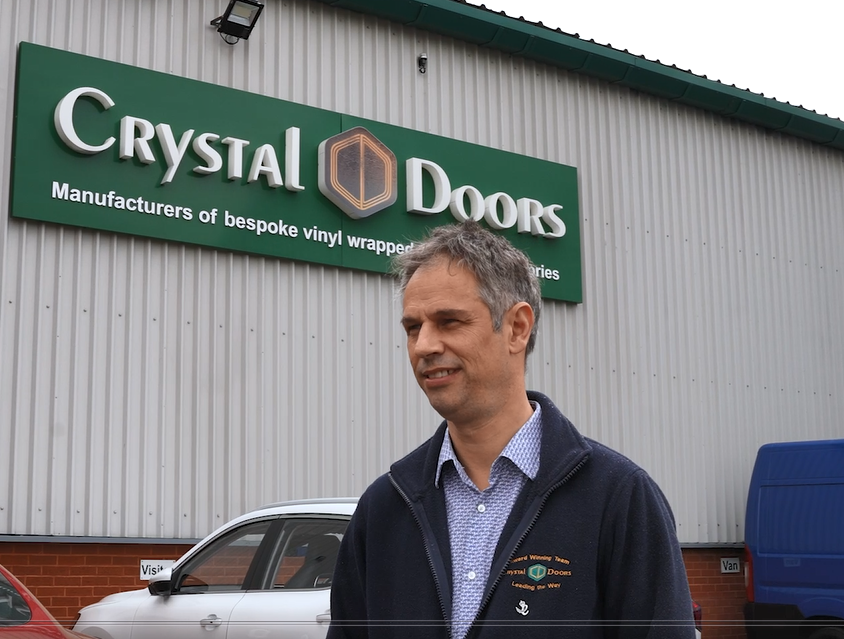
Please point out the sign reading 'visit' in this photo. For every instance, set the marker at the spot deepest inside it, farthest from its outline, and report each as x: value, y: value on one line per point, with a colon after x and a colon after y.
x: 127, y: 150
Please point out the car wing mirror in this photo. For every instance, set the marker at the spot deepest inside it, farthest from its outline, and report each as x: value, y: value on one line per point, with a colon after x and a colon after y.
x: 160, y: 584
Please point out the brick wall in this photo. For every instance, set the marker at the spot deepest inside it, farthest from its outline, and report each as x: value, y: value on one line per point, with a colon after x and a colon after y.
x: 66, y: 577
x: 721, y: 596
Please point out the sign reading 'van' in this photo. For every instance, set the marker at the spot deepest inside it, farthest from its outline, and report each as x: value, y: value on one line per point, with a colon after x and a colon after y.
x: 122, y: 149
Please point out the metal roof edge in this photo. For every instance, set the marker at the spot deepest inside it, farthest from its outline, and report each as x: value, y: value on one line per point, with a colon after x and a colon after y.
x: 514, y: 36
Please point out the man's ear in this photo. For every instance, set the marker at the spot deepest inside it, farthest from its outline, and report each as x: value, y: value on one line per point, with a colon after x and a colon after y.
x: 520, y: 321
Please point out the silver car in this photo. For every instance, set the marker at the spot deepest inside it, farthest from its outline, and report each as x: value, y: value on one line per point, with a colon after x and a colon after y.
x: 266, y: 573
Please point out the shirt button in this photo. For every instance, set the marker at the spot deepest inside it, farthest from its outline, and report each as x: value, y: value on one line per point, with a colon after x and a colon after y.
x: 481, y: 508
x: 471, y: 574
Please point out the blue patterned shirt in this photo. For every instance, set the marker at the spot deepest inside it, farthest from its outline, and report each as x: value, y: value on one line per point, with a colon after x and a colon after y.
x: 476, y: 517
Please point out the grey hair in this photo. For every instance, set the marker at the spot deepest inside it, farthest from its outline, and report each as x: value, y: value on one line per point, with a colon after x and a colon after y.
x: 504, y: 273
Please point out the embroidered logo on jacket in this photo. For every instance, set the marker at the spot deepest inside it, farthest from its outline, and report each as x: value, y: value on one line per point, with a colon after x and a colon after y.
x: 548, y: 569
x: 537, y: 572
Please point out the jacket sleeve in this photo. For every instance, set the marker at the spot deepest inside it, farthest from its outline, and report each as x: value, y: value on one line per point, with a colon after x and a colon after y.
x: 348, y: 590
x: 644, y: 583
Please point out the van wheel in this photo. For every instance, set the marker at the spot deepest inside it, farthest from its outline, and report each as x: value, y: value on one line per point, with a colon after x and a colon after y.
x: 828, y: 633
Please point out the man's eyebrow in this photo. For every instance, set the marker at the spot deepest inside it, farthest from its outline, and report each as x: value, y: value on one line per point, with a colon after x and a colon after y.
x: 439, y: 313
x: 449, y: 312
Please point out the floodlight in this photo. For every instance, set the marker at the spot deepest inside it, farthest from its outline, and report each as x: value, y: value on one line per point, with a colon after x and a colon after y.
x: 238, y: 20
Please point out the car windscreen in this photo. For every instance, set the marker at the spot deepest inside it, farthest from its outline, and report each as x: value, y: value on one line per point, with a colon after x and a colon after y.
x: 14, y: 610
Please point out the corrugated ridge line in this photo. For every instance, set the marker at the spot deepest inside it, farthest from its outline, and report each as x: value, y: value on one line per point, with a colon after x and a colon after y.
x: 9, y: 312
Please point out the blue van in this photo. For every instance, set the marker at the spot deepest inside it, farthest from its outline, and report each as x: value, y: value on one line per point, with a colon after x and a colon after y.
x: 794, y: 542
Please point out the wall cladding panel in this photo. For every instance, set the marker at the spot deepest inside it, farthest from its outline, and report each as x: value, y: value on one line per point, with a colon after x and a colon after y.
x: 149, y: 389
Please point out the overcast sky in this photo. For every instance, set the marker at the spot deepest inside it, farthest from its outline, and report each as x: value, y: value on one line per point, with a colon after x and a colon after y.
x: 790, y: 51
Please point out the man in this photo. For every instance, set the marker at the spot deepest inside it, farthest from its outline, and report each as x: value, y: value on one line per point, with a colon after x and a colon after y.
x: 507, y: 522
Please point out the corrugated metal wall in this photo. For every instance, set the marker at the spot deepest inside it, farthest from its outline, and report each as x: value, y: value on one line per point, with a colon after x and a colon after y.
x: 155, y: 390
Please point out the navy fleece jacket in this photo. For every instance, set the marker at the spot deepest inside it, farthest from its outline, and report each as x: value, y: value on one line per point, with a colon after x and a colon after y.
x: 589, y: 551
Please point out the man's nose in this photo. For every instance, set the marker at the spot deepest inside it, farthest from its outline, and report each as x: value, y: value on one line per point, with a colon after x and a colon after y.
x: 427, y: 341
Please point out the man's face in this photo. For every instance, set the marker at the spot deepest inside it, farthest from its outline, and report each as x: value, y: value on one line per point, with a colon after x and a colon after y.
x: 462, y: 364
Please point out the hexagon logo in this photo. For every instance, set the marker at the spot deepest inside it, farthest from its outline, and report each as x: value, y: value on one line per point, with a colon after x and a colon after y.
x: 357, y: 173
x: 537, y: 572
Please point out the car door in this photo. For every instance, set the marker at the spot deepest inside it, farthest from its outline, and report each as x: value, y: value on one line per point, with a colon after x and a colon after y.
x: 293, y: 599
x: 207, y: 587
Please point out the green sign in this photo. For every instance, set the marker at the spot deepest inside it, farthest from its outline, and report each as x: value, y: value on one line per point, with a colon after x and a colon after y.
x: 116, y: 148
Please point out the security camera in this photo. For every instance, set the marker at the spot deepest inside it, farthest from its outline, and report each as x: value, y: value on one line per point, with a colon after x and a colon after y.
x: 423, y: 62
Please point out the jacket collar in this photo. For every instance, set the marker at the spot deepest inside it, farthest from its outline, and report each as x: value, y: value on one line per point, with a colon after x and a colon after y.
x: 563, y: 448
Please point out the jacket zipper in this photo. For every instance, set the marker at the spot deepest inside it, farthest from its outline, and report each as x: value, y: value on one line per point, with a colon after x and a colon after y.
x: 427, y: 553
x: 522, y: 538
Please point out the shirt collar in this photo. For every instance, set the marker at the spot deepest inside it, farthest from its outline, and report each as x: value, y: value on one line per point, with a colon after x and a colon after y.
x: 523, y: 449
